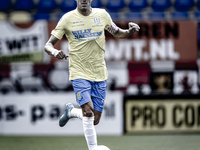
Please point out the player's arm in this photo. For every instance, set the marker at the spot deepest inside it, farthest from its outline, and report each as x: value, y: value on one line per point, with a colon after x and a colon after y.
x: 49, y: 48
x: 123, y: 33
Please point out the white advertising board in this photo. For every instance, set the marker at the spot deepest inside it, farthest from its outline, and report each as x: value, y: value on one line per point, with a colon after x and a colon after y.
x: 38, y: 114
x: 23, y: 44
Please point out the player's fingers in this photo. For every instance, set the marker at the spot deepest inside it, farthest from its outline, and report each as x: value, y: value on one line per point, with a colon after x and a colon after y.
x: 66, y: 57
x: 137, y: 28
x: 133, y: 24
x: 136, y: 25
x: 134, y: 28
x: 61, y: 56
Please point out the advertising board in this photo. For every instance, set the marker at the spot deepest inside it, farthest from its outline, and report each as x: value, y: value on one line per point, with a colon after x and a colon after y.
x: 168, y: 115
x: 38, y: 114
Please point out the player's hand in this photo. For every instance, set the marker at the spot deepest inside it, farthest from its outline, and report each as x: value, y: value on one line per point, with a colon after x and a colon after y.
x: 133, y: 27
x: 59, y: 54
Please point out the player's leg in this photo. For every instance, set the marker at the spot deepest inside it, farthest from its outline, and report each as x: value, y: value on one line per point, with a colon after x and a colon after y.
x: 92, y: 112
x: 97, y: 115
x: 87, y: 109
x: 88, y: 125
x: 82, y: 89
x: 98, y: 97
x: 71, y: 112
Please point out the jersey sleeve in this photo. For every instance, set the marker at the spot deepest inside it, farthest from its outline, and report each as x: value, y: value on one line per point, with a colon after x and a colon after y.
x: 110, y: 25
x: 59, y: 30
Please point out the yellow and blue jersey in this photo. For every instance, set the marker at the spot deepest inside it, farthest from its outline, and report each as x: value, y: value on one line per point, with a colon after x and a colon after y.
x: 86, y: 43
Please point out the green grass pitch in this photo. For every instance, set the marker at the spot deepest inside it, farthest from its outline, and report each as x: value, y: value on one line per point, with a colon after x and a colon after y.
x: 126, y: 142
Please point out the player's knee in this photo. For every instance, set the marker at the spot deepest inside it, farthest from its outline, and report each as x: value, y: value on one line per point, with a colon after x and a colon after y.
x: 88, y: 113
x: 87, y: 110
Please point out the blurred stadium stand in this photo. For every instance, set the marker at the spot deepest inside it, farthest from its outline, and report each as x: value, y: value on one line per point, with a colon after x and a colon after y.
x: 115, y: 6
x: 183, y: 5
x: 44, y: 9
x: 67, y: 5
x: 97, y: 4
x: 134, y: 16
x: 46, y: 6
x: 25, y: 5
x: 157, y: 16
x: 160, y: 5
x: 5, y: 5
x: 120, y: 9
x: 137, y: 6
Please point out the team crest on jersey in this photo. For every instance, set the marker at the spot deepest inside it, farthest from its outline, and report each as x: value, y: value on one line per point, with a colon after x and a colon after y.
x: 97, y: 20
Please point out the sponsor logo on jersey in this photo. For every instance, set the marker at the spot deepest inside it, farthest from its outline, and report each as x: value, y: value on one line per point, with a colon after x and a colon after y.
x: 86, y: 33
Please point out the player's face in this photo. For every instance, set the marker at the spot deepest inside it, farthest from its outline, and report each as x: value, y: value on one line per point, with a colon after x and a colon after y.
x: 84, y: 4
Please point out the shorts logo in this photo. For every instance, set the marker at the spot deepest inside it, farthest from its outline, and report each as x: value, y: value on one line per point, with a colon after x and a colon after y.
x: 97, y: 20
x: 79, y: 95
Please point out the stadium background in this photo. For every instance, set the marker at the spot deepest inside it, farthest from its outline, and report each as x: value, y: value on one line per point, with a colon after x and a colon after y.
x: 154, y: 78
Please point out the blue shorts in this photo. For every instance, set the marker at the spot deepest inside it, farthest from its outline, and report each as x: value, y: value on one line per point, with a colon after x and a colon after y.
x: 86, y: 91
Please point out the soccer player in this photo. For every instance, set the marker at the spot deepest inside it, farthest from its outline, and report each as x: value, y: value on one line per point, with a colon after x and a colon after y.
x: 84, y: 28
